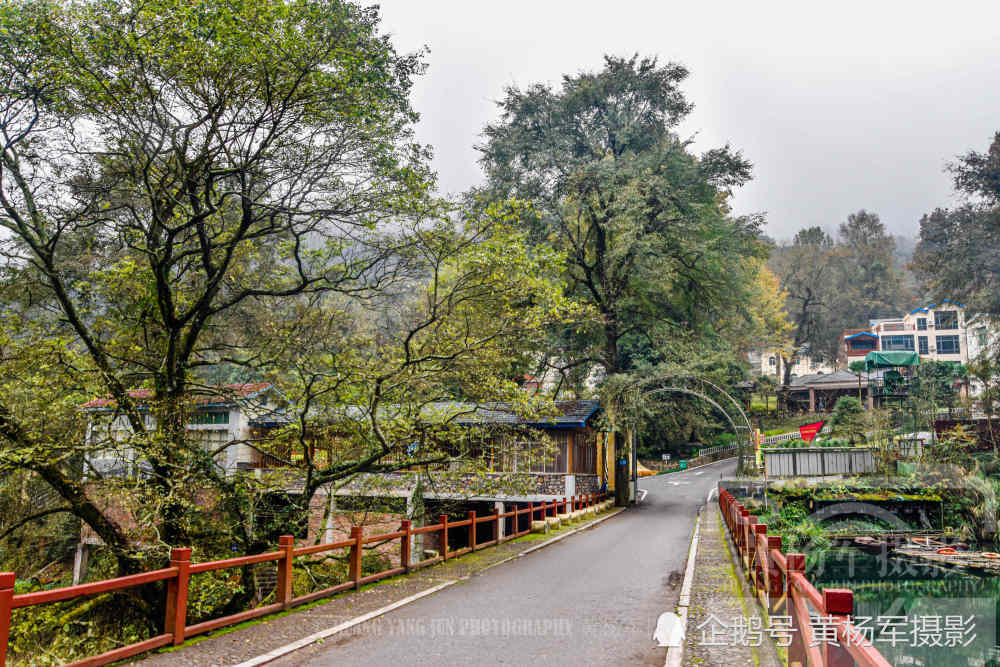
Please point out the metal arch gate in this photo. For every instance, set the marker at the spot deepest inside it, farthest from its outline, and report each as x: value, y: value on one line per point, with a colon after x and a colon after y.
x: 738, y: 421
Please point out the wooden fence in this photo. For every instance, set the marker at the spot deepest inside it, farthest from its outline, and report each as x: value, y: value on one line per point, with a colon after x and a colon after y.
x: 781, y: 586
x: 178, y: 575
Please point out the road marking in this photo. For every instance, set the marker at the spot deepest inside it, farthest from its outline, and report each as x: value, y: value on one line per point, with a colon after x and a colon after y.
x: 675, y: 656
x: 711, y: 491
x: 644, y: 492
x: 700, y: 472
x: 323, y: 634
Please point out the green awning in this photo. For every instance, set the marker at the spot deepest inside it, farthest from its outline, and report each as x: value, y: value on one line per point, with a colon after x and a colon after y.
x: 875, y: 360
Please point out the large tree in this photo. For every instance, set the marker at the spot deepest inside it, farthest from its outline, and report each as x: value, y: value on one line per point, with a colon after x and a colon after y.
x: 838, y: 284
x: 957, y: 256
x: 871, y: 286
x: 653, y: 250
x: 165, y: 167
x: 808, y: 271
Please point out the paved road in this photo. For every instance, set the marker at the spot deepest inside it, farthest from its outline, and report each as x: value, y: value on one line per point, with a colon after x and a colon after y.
x: 591, y: 599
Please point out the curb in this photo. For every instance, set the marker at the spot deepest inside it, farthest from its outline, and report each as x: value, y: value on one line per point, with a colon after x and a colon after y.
x: 675, y: 655
x: 282, y: 651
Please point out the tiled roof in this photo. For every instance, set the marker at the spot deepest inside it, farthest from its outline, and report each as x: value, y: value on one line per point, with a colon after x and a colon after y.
x: 568, y: 413
x: 223, y: 395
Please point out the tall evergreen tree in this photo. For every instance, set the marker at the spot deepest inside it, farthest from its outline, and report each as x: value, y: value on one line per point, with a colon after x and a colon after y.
x: 653, y: 248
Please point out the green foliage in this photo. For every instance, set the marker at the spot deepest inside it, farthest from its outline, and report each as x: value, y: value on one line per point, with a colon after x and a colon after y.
x: 613, y: 187
x: 848, y: 419
x: 798, y: 532
x: 839, y: 284
x: 956, y: 256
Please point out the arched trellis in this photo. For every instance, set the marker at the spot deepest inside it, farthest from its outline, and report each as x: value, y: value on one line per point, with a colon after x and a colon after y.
x: 629, y: 398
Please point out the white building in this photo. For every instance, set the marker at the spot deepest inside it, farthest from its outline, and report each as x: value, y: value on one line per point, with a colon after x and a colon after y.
x: 937, y: 332
x: 769, y: 362
x: 227, y: 419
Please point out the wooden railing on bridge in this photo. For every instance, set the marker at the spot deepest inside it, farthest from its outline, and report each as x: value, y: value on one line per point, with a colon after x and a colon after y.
x: 781, y: 586
x: 178, y: 575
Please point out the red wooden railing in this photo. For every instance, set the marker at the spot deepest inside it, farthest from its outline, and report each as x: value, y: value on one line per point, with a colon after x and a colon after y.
x: 780, y: 584
x: 178, y: 574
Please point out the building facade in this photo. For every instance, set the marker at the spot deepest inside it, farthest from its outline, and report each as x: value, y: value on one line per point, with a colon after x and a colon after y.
x: 937, y: 332
x: 770, y: 363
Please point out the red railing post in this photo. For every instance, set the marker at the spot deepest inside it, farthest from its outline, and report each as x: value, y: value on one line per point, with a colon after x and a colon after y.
x: 838, y: 604
x: 565, y: 506
x: 797, y: 649
x: 472, y: 530
x: 404, y: 545
x: 748, y: 534
x: 774, y: 579
x: 177, y: 595
x: 6, y: 600
x: 357, y: 549
x: 760, y: 566
x: 444, y: 536
x: 496, y: 524
x: 285, y: 593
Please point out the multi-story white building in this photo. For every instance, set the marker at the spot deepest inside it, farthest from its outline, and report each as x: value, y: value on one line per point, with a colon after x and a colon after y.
x: 937, y: 332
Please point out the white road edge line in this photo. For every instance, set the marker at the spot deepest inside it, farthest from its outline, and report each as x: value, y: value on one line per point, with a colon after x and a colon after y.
x: 676, y: 654
x: 282, y: 651
x: 644, y: 492
x: 323, y: 634
x: 711, y: 492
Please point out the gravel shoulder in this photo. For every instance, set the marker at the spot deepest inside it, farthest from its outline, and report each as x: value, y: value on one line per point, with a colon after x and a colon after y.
x: 720, y: 593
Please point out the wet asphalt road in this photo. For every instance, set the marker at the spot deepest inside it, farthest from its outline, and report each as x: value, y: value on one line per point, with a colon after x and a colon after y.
x: 591, y: 599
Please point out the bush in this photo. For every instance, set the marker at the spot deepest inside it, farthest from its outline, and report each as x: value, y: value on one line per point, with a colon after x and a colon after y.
x: 848, y: 419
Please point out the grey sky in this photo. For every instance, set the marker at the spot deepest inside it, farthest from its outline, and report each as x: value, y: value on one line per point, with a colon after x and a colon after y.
x: 855, y: 105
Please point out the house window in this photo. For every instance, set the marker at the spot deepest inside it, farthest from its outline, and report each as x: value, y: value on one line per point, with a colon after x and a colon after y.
x: 948, y: 345
x: 863, y: 344
x: 922, y: 345
x: 981, y: 337
x: 535, y: 455
x: 946, y: 319
x: 210, y: 418
x: 897, y: 343
x: 771, y: 361
x: 921, y: 324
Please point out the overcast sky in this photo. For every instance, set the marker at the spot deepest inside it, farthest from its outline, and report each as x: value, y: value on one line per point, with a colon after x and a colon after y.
x: 855, y: 105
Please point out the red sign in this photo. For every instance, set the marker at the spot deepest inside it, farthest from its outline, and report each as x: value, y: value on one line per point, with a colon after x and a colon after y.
x: 809, y: 431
